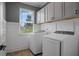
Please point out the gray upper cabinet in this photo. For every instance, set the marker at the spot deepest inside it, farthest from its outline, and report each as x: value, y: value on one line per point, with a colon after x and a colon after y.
x: 50, y: 9
x: 58, y: 10
x: 70, y: 9
x: 40, y: 16
x: 46, y: 13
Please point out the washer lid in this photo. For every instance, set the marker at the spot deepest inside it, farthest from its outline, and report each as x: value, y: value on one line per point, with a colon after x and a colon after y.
x: 55, y: 36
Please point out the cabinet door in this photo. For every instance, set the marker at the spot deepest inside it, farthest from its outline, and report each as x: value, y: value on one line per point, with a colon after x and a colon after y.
x: 38, y: 17
x: 42, y: 15
x: 51, y: 47
x: 0, y: 33
x: 2, y: 11
x: 2, y: 23
x: 71, y: 9
x: 77, y: 32
x: 50, y: 7
x: 58, y: 10
x: 46, y: 13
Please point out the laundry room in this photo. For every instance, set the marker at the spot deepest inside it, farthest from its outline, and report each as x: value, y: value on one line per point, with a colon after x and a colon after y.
x: 39, y: 28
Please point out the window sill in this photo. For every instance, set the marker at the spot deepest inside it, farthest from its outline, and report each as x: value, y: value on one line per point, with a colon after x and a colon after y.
x: 26, y: 33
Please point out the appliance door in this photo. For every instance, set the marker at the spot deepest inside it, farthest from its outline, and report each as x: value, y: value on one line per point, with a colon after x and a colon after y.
x: 69, y: 46
x: 36, y: 44
x: 51, y: 47
x: 77, y: 32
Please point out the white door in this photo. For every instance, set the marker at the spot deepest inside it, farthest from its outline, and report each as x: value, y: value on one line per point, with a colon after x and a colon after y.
x: 2, y: 22
x: 0, y: 33
x: 2, y: 27
x: 51, y: 47
x: 77, y: 32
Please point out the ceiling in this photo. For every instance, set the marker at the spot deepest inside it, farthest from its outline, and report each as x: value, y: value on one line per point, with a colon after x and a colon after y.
x: 35, y: 4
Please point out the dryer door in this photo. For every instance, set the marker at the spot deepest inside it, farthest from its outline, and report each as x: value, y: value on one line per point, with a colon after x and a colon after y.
x: 51, y: 47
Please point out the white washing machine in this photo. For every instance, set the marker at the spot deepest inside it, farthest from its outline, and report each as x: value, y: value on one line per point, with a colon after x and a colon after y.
x: 36, y: 42
x: 60, y: 45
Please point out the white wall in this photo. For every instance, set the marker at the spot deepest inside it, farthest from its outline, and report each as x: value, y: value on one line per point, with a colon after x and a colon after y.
x: 15, y: 39
x: 49, y: 27
x: 65, y: 25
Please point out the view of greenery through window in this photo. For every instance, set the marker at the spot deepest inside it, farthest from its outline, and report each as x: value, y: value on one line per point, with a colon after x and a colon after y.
x: 26, y: 20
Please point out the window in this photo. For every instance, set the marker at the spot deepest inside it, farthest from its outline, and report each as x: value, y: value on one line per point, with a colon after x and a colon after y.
x: 26, y: 20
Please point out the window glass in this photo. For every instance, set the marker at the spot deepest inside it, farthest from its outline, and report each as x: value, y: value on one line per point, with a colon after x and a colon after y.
x: 26, y: 20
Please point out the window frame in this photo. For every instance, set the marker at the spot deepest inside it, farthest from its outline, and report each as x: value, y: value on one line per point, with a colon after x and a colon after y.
x: 33, y: 21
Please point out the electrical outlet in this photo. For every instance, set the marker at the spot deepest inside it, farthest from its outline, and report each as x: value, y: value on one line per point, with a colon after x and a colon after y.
x: 75, y: 11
